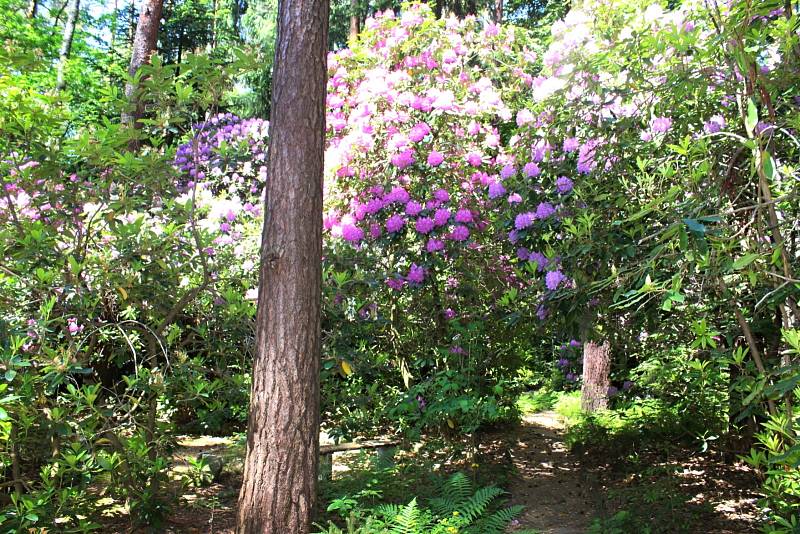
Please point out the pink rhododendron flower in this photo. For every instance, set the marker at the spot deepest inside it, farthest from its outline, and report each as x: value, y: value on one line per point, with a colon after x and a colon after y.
x: 419, y: 131
x: 524, y: 116
x: 413, y: 208
x: 474, y: 159
x: 424, y: 225
x: 416, y: 274
x: 660, y: 124
x: 73, y: 326
x: 398, y: 194
x: 459, y: 233
x: 441, y: 217
x: 395, y: 223
x: 435, y: 158
x: 403, y: 159
x: 395, y: 283
x: 352, y: 233
x: 571, y: 144
x: 441, y: 195
x: 434, y: 245
x: 464, y: 216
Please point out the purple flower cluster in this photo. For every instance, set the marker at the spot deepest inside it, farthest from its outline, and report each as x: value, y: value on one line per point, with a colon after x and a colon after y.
x: 227, y: 153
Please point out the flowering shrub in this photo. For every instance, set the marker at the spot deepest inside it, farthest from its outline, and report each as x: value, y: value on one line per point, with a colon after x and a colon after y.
x: 606, y: 178
x: 669, y: 126
x: 418, y: 112
x: 123, y: 292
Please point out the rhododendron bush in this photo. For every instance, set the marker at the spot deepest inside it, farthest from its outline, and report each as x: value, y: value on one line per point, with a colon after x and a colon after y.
x: 642, y: 159
x: 676, y: 129
x: 420, y: 115
x: 124, y: 285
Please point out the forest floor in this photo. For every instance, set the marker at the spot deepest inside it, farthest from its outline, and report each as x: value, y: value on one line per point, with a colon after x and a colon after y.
x: 562, y: 492
x: 565, y: 492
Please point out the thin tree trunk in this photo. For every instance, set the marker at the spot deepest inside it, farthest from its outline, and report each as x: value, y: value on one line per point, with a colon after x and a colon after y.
x: 66, y: 43
x: 354, y: 20
x: 132, y: 25
x: 33, y: 7
x: 280, y: 474
x: 498, y: 11
x: 214, y: 25
x: 472, y: 7
x: 114, y: 19
x: 596, y: 370
x: 144, y: 44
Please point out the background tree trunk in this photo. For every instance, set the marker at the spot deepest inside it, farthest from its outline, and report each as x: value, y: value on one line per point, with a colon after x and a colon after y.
x: 472, y: 7
x: 596, y: 370
x: 280, y: 475
x: 66, y: 44
x: 144, y: 44
x: 33, y: 7
x: 354, y: 19
x: 498, y: 11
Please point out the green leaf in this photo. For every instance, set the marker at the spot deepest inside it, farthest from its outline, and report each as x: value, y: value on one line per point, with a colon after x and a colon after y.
x: 752, y: 116
x: 695, y: 226
x: 744, y: 261
x: 769, y: 165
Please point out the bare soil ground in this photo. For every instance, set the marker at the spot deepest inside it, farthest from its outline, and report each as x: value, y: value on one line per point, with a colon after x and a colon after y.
x: 562, y: 492
x: 566, y: 493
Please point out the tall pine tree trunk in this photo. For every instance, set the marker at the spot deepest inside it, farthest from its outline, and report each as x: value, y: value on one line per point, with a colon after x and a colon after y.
x: 278, y: 492
x: 144, y: 44
x: 66, y: 44
x: 596, y: 371
x: 354, y: 20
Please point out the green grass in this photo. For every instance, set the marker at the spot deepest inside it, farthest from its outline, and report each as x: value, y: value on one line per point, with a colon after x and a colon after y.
x: 532, y: 402
x: 566, y: 404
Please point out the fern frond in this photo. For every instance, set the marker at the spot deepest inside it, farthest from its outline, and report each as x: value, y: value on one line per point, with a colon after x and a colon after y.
x: 388, y: 511
x: 444, y: 505
x: 497, y: 522
x: 411, y: 520
x: 475, y: 506
x: 458, y: 488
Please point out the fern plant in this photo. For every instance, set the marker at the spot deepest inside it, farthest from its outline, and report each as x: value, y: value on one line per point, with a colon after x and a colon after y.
x: 458, y: 509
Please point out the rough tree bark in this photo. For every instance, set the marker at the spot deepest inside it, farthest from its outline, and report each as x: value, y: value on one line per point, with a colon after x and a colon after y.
x: 354, y: 20
x: 596, y: 370
x: 280, y: 474
x: 498, y: 11
x: 66, y: 43
x: 144, y: 44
